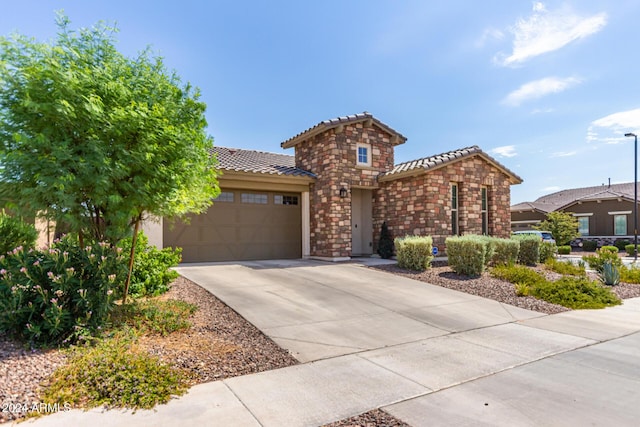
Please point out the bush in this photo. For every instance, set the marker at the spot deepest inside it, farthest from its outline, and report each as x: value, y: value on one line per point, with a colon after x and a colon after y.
x: 603, y: 255
x: 505, y: 251
x: 630, y: 249
x: 152, y: 272
x: 529, y: 249
x: 58, y: 295
x: 566, y: 267
x: 589, y: 245
x: 466, y: 254
x: 385, y: 244
x: 15, y: 233
x: 518, y: 274
x: 612, y: 249
x: 621, y: 244
x: 576, y: 293
x: 153, y: 316
x: 630, y: 274
x: 414, y: 252
x: 610, y: 275
x: 548, y: 250
x: 564, y: 250
x: 115, y: 373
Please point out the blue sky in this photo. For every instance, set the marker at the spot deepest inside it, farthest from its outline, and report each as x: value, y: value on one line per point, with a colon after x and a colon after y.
x: 547, y: 88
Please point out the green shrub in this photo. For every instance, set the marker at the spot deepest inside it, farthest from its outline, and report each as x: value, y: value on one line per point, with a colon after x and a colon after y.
x: 576, y: 293
x: 385, y: 244
x: 630, y: 249
x: 114, y: 373
x: 518, y: 274
x: 466, y: 254
x: 564, y: 250
x: 610, y: 275
x: 505, y: 251
x: 548, y: 250
x: 529, y: 249
x: 609, y: 248
x: 154, y: 316
x: 152, y: 272
x: 630, y: 274
x: 15, y: 233
x: 597, y: 261
x: 589, y: 245
x: 621, y: 244
x: 414, y: 252
x: 566, y: 267
x: 56, y: 295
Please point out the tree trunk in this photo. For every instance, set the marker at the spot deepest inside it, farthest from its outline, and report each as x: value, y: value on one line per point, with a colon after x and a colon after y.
x: 131, y: 255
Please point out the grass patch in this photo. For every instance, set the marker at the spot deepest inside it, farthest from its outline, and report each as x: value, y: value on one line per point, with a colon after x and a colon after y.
x: 566, y: 267
x: 571, y: 292
x: 154, y: 316
x: 115, y: 373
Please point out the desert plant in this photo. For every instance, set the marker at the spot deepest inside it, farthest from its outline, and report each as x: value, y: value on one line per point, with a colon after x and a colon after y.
x: 414, y: 252
x: 385, y: 244
x: 610, y: 274
x: 548, y: 250
x: 576, y: 293
x: 564, y: 250
x: 630, y: 274
x: 518, y: 274
x: 153, y: 316
x: 589, y: 245
x: 14, y: 232
x: 466, y: 254
x: 505, y: 251
x: 601, y: 256
x: 529, y: 249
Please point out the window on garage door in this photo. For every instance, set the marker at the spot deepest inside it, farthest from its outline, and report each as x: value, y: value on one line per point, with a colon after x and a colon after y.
x: 257, y: 198
x: 285, y: 199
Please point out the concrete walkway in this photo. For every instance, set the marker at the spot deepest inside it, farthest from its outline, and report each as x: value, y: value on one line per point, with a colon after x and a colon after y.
x: 428, y: 355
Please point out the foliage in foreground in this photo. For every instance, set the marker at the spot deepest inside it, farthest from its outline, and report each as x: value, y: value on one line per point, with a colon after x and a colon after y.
x: 566, y: 267
x: 630, y: 274
x: 154, y: 316
x: 602, y: 256
x: 58, y: 295
x: 115, y: 373
x: 152, y: 272
x: 414, y: 252
x: 571, y: 292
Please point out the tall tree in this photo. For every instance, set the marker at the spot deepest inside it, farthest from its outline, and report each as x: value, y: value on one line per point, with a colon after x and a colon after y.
x: 562, y: 225
x: 98, y: 140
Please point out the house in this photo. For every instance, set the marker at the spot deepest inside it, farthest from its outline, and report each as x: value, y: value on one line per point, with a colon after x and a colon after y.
x: 604, y: 213
x: 329, y: 199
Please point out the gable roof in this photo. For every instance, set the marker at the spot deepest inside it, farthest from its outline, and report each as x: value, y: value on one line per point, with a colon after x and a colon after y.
x: 427, y: 164
x: 238, y: 160
x: 339, y: 121
x: 565, y: 198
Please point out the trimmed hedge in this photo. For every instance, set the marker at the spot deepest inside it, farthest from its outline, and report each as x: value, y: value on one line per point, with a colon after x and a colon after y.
x: 564, y: 250
x: 548, y: 251
x: 589, y: 245
x: 529, y: 249
x: 467, y: 254
x: 505, y: 251
x: 414, y: 252
x: 630, y: 250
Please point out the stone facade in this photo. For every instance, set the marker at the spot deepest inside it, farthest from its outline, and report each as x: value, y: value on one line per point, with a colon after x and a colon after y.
x: 331, y: 156
x: 421, y: 205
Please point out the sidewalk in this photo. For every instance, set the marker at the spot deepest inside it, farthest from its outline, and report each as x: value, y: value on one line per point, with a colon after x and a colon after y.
x: 572, y: 368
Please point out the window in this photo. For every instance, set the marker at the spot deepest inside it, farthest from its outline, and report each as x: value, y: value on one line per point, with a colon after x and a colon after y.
x: 620, y: 225
x: 279, y: 199
x: 225, y: 196
x: 485, y: 210
x: 254, y: 198
x: 583, y: 225
x: 363, y: 154
x: 454, y: 209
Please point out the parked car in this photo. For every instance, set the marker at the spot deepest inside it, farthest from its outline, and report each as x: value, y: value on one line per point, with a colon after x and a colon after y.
x: 545, y: 236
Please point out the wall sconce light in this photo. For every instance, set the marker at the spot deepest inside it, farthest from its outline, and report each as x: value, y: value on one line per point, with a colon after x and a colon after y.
x: 343, y: 193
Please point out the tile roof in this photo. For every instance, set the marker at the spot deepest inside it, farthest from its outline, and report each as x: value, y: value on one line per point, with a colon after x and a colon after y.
x: 433, y: 162
x: 564, y: 198
x: 235, y: 159
x: 332, y: 123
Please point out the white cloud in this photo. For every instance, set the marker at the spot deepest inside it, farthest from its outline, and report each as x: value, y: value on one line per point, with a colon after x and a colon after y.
x: 545, y: 31
x: 504, y: 151
x: 489, y: 34
x: 563, y: 154
x: 611, y: 129
x: 539, y: 88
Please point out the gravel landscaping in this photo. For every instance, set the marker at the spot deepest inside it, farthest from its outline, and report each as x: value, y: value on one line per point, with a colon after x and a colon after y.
x: 221, y: 344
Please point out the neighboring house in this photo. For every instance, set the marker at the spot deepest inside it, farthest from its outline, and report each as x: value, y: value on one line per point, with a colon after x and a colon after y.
x: 329, y: 200
x: 604, y: 213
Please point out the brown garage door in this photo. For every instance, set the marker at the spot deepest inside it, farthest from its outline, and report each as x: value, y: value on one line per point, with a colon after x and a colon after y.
x: 241, y: 225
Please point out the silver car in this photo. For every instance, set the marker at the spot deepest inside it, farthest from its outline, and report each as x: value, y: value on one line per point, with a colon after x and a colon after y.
x: 545, y: 236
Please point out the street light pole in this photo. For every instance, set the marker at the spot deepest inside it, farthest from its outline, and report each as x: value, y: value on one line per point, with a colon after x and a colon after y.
x: 635, y: 195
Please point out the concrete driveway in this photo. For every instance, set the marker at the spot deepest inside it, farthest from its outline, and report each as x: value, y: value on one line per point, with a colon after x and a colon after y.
x: 427, y: 355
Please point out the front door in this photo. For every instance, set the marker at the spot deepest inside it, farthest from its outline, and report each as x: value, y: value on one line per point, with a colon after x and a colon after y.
x: 361, y: 222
